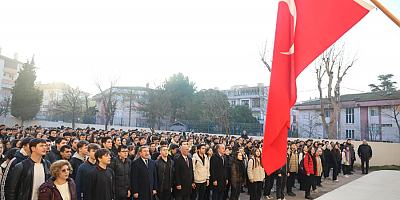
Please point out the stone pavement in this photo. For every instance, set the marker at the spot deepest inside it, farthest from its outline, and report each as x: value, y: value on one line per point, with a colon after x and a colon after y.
x: 382, y: 184
x: 328, y: 186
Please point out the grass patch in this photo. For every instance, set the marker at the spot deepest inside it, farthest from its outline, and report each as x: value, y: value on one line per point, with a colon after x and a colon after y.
x: 385, y: 167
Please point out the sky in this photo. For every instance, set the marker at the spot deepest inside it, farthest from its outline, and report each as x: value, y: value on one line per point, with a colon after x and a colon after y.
x: 214, y: 43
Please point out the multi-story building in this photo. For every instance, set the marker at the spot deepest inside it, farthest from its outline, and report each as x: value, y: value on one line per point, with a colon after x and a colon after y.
x: 255, y: 97
x: 9, y: 72
x: 372, y: 116
x: 127, y: 100
x: 52, y: 93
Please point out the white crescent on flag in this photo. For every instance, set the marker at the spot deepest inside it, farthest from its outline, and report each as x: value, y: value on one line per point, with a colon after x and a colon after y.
x: 293, y: 12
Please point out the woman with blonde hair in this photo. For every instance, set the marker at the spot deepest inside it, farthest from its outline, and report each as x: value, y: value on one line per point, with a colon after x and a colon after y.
x: 59, y: 186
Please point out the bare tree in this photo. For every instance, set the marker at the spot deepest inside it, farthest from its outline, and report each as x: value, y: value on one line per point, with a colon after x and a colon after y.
x: 310, y: 125
x: 108, y: 98
x: 394, y: 112
x: 155, y: 106
x: 217, y: 109
x: 5, y: 105
x: 71, y: 104
x: 263, y: 56
x: 334, y: 63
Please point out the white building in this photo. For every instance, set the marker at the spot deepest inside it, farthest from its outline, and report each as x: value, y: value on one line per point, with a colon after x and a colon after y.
x: 52, y: 93
x: 255, y: 97
x: 362, y: 116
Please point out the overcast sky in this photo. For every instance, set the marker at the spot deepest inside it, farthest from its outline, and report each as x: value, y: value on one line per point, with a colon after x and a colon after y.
x: 215, y: 43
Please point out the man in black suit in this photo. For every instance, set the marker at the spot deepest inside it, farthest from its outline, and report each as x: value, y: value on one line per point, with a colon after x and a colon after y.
x: 183, y: 175
x: 143, y: 176
x: 219, y: 172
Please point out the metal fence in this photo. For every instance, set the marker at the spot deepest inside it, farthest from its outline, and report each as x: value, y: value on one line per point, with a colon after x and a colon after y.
x: 255, y: 129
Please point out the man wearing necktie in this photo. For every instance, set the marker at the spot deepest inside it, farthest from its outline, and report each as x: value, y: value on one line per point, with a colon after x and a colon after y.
x: 183, y: 175
x: 218, y: 173
x: 143, y: 176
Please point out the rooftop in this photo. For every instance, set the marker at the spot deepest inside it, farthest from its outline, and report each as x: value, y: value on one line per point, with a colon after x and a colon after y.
x: 361, y: 97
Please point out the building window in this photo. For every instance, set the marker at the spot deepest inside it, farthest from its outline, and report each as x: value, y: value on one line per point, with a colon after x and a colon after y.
x: 245, y: 102
x: 256, y: 103
x: 327, y: 113
x: 350, y: 134
x: 349, y: 115
x: 374, y: 112
x: 385, y: 107
x: 374, y: 128
x: 233, y: 103
x: 386, y: 125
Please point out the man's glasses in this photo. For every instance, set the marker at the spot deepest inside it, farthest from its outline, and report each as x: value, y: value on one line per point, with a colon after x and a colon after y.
x: 65, y: 170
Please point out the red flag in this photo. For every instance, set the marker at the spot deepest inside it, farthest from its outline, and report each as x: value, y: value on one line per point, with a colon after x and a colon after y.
x: 304, y: 29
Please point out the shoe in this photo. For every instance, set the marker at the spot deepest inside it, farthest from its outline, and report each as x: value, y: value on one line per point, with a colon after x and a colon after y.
x: 350, y: 173
x: 294, y: 187
x: 283, y: 198
x: 309, y: 197
x: 320, y: 185
x: 242, y: 191
x: 329, y: 178
x: 291, y: 194
x: 279, y: 199
x: 316, y: 191
x: 337, y: 180
x: 273, y: 190
x: 269, y: 197
x: 353, y: 171
x: 345, y: 176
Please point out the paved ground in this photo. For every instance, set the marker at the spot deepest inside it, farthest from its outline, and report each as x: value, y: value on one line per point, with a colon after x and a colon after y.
x: 328, y: 186
x: 376, y: 185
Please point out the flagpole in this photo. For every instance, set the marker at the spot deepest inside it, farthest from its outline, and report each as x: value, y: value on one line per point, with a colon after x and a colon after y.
x: 387, y: 12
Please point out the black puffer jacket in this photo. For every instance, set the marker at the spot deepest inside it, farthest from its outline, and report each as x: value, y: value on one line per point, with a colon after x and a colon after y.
x: 53, y: 155
x: 20, y: 184
x: 161, y: 166
x: 122, y: 174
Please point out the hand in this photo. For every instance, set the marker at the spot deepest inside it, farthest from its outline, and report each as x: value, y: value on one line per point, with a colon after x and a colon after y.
x: 193, y: 185
x: 136, y: 195
x: 359, y: 157
x: 226, y: 182
x: 179, y: 187
x: 288, y: 174
x: 154, y: 192
x: 251, y: 181
x: 215, y: 183
x: 129, y: 193
x: 370, y: 158
x: 280, y: 175
x: 171, y: 189
x: 242, y: 184
x: 208, y: 182
x: 308, y: 174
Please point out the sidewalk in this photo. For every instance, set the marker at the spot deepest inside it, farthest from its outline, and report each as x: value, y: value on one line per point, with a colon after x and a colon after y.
x: 328, y: 186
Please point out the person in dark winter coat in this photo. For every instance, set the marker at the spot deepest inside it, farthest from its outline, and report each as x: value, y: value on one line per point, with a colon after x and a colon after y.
x: 218, y: 172
x: 165, y: 175
x: 23, y: 153
x: 143, y: 176
x: 365, y: 154
x: 100, y: 182
x: 121, y: 167
x: 184, y: 181
x: 238, y: 175
x: 79, y: 157
x: 28, y: 175
x: 54, y: 153
x: 59, y: 186
x: 85, y: 168
x: 353, y: 155
x: 327, y: 161
x: 336, y: 162
x: 282, y: 175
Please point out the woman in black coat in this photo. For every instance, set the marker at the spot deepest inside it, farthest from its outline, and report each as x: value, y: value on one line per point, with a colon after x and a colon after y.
x: 335, y: 157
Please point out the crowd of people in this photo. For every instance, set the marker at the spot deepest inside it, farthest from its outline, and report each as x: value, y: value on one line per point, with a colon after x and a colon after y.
x: 66, y: 164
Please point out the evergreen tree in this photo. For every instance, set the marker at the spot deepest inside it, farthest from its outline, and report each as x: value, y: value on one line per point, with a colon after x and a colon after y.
x: 26, y: 97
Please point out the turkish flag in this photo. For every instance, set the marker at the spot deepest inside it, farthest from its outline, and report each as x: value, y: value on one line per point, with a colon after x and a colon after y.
x: 304, y: 29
